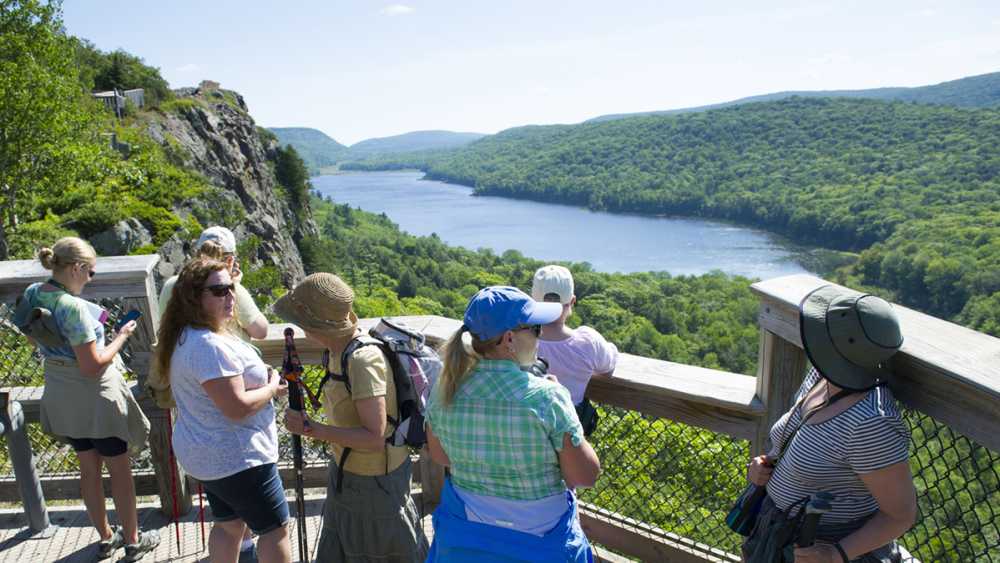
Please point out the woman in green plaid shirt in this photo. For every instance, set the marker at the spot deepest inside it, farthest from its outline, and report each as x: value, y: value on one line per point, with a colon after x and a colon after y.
x: 512, y: 441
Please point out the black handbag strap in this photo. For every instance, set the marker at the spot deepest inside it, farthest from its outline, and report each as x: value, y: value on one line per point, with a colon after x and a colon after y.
x: 798, y: 405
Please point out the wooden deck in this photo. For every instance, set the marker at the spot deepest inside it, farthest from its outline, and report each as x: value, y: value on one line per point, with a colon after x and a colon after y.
x: 75, y: 540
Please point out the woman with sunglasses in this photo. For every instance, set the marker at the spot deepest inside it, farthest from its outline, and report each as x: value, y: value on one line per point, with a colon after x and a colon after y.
x: 225, y: 434
x: 86, y: 401
x: 511, y: 440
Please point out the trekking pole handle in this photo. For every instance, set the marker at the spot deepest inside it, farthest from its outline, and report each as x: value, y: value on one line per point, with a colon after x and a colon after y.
x: 292, y: 368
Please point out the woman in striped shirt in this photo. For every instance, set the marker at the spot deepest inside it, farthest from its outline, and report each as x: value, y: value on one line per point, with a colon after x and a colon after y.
x: 844, y: 436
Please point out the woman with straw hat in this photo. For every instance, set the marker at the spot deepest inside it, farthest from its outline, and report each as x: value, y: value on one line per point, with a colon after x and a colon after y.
x: 844, y: 436
x: 368, y: 514
x: 511, y: 439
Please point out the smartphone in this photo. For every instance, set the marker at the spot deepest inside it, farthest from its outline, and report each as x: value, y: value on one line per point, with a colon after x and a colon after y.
x: 132, y: 315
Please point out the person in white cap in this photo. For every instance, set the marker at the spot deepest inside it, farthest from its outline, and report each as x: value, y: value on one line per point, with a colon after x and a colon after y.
x: 219, y: 243
x: 573, y: 355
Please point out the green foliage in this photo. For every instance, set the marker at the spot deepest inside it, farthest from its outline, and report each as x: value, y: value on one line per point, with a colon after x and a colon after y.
x: 706, y: 320
x: 916, y: 187
x: 293, y: 177
x: 316, y: 149
x: 119, y: 70
x: 178, y: 105
x: 47, y: 125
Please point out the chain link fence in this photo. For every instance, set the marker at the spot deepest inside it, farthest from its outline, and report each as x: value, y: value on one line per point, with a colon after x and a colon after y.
x: 21, y: 368
x: 679, y: 478
x: 958, y: 493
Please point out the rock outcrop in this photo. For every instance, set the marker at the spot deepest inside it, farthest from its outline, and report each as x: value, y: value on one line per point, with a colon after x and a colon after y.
x: 218, y: 138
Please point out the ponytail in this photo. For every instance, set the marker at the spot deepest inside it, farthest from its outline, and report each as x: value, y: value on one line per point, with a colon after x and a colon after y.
x: 460, y: 360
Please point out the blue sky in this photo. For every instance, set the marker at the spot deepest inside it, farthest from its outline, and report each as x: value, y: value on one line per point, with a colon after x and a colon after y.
x: 357, y: 69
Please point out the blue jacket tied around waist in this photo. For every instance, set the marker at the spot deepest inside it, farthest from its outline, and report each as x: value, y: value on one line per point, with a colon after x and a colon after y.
x: 456, y: 539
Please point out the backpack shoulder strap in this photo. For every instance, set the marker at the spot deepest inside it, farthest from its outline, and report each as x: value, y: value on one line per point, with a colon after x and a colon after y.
x: 345, y: 358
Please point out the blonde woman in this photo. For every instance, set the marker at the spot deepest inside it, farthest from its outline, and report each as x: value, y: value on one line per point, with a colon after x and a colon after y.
x: 86, y: 400
x: 511, y: 439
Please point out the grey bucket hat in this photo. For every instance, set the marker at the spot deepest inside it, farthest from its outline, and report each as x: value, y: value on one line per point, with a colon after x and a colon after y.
x: 849, y: 336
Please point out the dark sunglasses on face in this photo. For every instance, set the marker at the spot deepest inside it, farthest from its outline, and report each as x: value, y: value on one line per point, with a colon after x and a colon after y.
x: 220, y: 290
x: 90, y: 271
x: 535, y: 329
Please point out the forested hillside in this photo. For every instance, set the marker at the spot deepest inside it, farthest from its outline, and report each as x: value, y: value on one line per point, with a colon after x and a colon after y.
x: 314, y: 146
x: 320, y: 151
x: 707, y: 320
x: 410, y: 142
x: 980, y: 91
x: 916, y: 188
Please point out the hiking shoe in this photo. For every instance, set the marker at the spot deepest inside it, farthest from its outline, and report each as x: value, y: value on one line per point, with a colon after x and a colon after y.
x: 248, y: 555
x: 148, y: 541
x: 105, y: 548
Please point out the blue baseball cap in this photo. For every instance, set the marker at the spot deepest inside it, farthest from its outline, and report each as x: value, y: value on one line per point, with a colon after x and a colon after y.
x: 497, y: 309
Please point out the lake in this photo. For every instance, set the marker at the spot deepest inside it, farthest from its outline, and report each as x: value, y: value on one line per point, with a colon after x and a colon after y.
x: 610, y: 242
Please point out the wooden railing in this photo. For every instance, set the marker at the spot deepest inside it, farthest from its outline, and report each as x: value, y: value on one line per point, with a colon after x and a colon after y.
x: 946, y: 371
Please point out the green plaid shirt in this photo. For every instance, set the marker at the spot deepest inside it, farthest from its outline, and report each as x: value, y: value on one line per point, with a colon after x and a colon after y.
x: 503, y: 431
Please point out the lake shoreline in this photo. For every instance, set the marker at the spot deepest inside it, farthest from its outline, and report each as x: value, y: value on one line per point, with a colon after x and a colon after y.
x: 667, y: 242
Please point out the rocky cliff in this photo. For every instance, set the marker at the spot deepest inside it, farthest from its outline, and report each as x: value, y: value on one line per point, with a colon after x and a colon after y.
x: 210, y: 130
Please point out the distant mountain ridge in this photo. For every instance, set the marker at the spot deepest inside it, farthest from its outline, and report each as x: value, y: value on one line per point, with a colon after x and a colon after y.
x: 412, y: 142
x: 318, y: 150
x: 979, y: 91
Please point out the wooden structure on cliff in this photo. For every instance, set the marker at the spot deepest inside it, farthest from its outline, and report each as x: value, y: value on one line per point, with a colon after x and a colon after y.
x: 673, y: 439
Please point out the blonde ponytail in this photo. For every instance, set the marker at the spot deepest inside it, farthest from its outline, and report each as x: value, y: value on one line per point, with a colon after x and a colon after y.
x: 459, y: 361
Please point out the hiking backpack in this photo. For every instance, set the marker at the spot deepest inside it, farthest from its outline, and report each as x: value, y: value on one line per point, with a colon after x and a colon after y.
x: 415, y: 367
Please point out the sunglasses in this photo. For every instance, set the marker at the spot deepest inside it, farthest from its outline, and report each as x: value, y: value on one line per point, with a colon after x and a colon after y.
x: 90, y: 271
x: 535, y: 329
x: 220, y: 290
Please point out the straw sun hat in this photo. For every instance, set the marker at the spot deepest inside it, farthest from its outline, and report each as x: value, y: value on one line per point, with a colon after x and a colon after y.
x: 321, y: 303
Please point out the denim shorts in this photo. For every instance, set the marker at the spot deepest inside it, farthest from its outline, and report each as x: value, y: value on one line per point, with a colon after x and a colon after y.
x: 107, y: 447
x: 255, y: 495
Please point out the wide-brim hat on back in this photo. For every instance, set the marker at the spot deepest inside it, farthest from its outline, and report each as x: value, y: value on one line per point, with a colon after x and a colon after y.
x: 849, y: 336
x: 321, y: 303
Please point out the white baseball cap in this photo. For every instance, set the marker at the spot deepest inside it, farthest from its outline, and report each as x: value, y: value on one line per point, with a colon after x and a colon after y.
x: 552, y: 279
x: 219, y: 235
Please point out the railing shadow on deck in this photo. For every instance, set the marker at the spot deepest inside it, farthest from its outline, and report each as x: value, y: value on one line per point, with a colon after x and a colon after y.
x: 673, y: 438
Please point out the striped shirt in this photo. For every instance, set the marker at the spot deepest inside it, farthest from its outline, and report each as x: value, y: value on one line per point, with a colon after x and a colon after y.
x: 830, y: 455
x: 503, y: 431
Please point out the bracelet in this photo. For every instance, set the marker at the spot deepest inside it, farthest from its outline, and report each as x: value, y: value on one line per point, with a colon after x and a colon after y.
x: 843, y: 554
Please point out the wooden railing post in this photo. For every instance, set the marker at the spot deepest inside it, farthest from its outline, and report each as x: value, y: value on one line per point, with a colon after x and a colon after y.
x: 14, y: 428
x: 172, y: 485
x: 780, y: 368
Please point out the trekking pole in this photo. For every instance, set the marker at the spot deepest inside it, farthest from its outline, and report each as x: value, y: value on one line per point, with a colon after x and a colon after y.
x: 173, y: 480
x: 818, y: 505
x: 293, y: 373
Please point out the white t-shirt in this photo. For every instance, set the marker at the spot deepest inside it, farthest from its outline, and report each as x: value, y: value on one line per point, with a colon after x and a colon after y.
x: 574, y: 360
x: 207, y: 444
